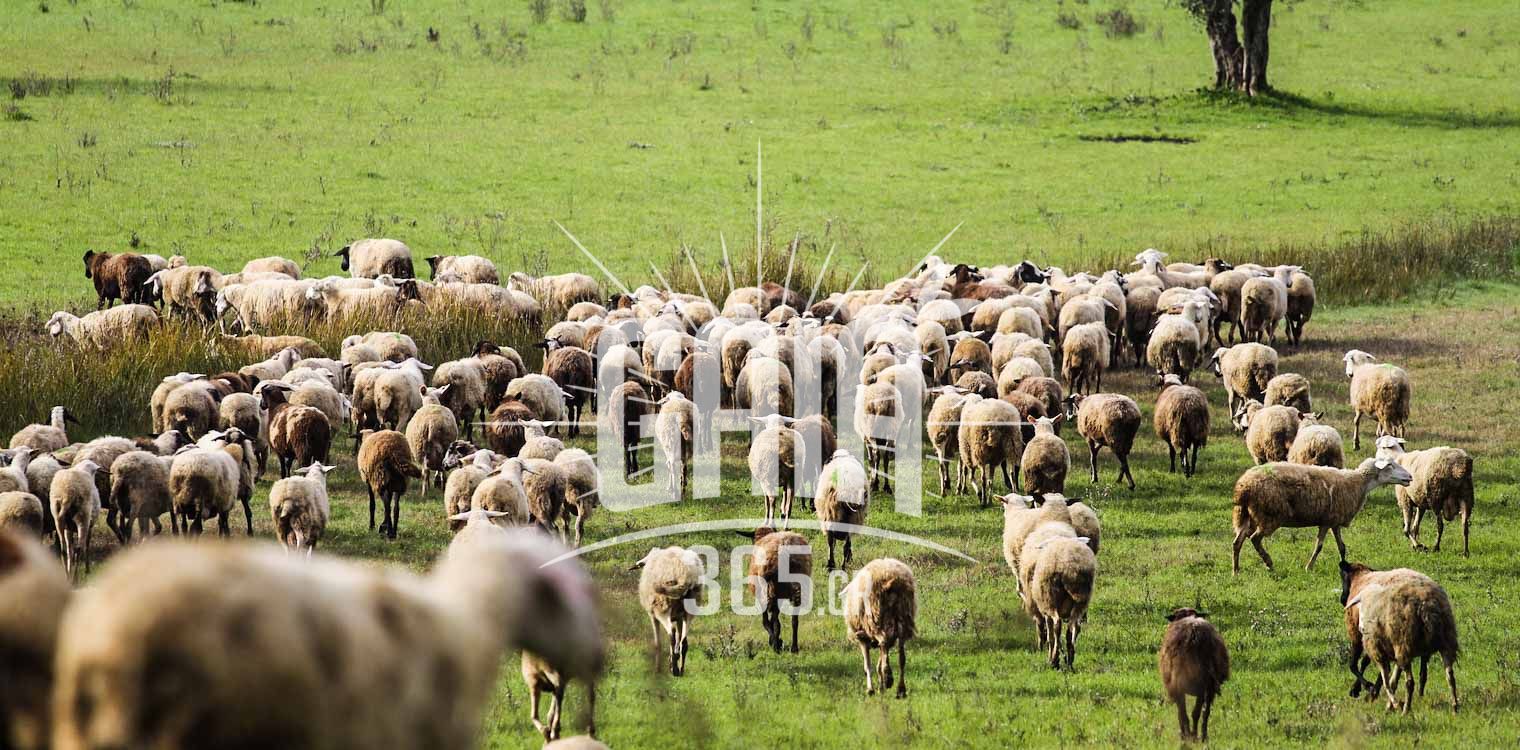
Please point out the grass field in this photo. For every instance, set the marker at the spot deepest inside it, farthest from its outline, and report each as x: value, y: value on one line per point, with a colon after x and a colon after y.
x: 231, y: 130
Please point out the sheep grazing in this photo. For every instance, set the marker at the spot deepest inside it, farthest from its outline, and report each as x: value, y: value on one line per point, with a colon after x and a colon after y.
x: 298, y: 435
x: 1193, y: 660
x: 1270, y: 430
x: 21, y: 512
x: 989, y: 438
x: 1382, y: 391
x: 774, y: 454
x: 559, y: 292
x: 140, y: 490
x: 1084, y: 357
x: 44, y: 438
x: 385, y: 463
x: 624, y: 413
x: 369, y: 258
x: 1181, y: 420
x: 1394, y: 617
x: 347, y: 654
x: 1057, y: 570
x: 1317, y: 444
x: 300, y: 508
x: 105, y: 329
x: 843, y: 498
x: 777, y: 552
x: 1046, y: 460
x: 541, y: 395
x: 1289, y: 389
x: 1106, y: 419
x: 881, y: 612
x: 117, y: 277
x: 76, y: 505
x: 37, y: 592
x: 1272, y: 496
x: 430, y: 433
x: 670, y: 583
x: 467, y: 269
x: 1442, y: 485
x: 673, y: 430
x: 1246, y: 369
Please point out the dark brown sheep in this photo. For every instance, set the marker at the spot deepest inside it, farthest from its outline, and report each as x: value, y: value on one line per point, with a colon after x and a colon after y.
x: 1030, y: 408
x: 977, y: 382
x: 1182, y: 422
x: 777, y: 295
x: 504, y: 429
x: 1193, y: 661
x: 499, y: 370
x: 298, y: 435
x: 1049, y: 392
x: 772, y: 550
x: 818, y: 436
x: 575, y: 372
x: 117, y: 277
x: 385, y: 463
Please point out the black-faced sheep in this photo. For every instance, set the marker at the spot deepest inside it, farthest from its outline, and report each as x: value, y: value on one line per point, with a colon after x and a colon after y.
x: 370, y: 258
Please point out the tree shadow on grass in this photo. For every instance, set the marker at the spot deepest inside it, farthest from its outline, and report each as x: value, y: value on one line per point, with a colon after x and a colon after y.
x: 1292, y: 104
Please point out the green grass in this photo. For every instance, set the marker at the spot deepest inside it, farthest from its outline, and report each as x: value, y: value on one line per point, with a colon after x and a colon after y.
x: 232, y: 130
x: 974, y: 672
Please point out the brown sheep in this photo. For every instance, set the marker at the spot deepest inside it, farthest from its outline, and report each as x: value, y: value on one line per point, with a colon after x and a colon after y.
x: 499, y: 370
x: 573, y: 370
x: 1193, y: 661
x: 773, y: 549
x: 37, y: 592
x: 504, y: 429
x: 624, y: 411
x: 1050, y: 394
x: 298, y: 435
x: 881, y: 611
x: 1393, y: 618
x: 117, y: 277
x: 977, y: 382
x: 385, y: 463
x: 1182, y: 422
x: 1106, y: 419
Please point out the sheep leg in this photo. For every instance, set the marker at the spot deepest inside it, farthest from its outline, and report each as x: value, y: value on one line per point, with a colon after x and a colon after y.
x: 1260, y: 549
x: 1451, y: 681
x: 533, y: 695
x: 685, y: 626
x: 1197, y: 714
x: 1192, y: 467
x: 902, y: 668
x: 1124, y: 472
x: 1391, y: 683
x: 655, y: 626
x: 795, y: 619
x: 1319, y: 543
x: 556, y: 708
x: 1092, y: 459
x: 1424, y: 661
x: 1356, y: 431
x: 580, y: 525
x: 1357, y: 664
x: 847, y: 551
x: 1182, y: 717
x: 1171, y: 452
x: 248, y: 516
x: 865, y: 658
x: 1006, y: 480
x: 1053, y: 626
x: 591, y: 708
x: 68, y: 550
x: 371, y: 500
x: 84, y: 546
x: 944, y: 474
x: 1408, y: 688
x: 395, y: 508
x: 1339, y: 543
x: 1071, y: 627
x: 1240, y: 540
x: 831, y: 537
x: 1466, y: 519
x: 223, y: 528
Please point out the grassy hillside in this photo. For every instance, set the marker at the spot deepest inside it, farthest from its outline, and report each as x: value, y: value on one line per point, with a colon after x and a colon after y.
x: 230, y: 130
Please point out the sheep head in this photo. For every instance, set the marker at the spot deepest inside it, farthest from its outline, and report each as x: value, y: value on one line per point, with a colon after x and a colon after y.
x: 1389, y: 446
x: 344, y: 255
x: 1214, y: 361
x: 1181, y: 613
x: 1350, y: 572
x: 1356, y: 358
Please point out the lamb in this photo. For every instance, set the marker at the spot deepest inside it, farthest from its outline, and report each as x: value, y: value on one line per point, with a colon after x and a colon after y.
x: 778, y: 552
x: 1442, y: 484
x: 432, y: 646
x: 881, y: 611
x: 1276, y: 495
x: 1382, y: 391
x: 1106, y: 419
x: 1289, y: 389
x: 1301, y: 298
x: 469, y: 269
x: 989, y: 438
x: 670, y: 584
x: 1394, y: 617
x: 76, y: 505
x: 1270, y: 430
x: 45, y: 438
x: 1317, y: 444
x: 1182, y: 422
x: 21, y: 512
x: 574, y: 371
x: 430, y: 433
x: 561, y: 292
x: 38, y: 592
x: 105, y: 329
x: 298, y: 435
x: 1045, y: 461
x: 117, y: 277
x: 1057, y: 569
x: 581, y: 486
x: 370, y: 258
x: 140, y: 490
x: 300, y: 508
x: 1246, y: 369
x: 774, y: 454
x: 1193, y: 660
x: 1084, y: 357
x: 1174, y: 344
x: 385, y: 462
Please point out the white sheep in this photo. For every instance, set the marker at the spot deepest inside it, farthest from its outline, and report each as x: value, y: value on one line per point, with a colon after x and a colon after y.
x: 1442, y: 484
x: 881, y: 611
x: 44, y: 438
x: 1380, y: 390
x: 300, y: 508
x: 105, y: 329
x: 369, y: 258
x: 670, y: 585
x: 1276, y: 495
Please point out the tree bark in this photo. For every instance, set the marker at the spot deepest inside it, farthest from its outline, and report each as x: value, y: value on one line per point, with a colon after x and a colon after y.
x: 1229, y: 58
x: 1255, y: 22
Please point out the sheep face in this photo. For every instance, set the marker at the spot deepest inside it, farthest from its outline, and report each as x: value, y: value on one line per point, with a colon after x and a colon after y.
x: 344, y: 255
x: 1349, y: 573
x: 55, y: 324
x: 1390, y: 472
x: 1390, y: 447
x: 1183, y: 612
x: 1356, y: 358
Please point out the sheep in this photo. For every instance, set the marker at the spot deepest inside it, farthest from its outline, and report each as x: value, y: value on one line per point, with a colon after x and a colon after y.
x: 105, y: 329
x: 189, y: 292
x: 1174, y: 344
x: 842, y: 498
x: 1442, y: 484
x: 574, y: 371
x: 39, y: 478
x: 502, y: 492
x: 337, y: 407
x: 1382, y: 391
x: 1193, y: 660
x: 273, y: 368
x: 398, y: 394
x: 21, y: 512
x: 245, y: 411
x: 370, y: 258
x: 1106, y: 419
x: 1181, y: 421
x: 339, y: 303
x: 505, y: 428
x: 879, y: 418
x: 1289, y: 389
x: 300, y: 508
x: 43, y: 438
x: 778, y: 553
x: 37, y: 592
x: 881, y: 611
x: 140, y: 490
x: 1140, y: 317
x: 1015, y: 371
x: 1084, y: 357
x: 1246, y: 369
x: 1317, y: 444
x: 467, y: 391
x: 191, y: 408
x: 581, y: 486
x: 430, y: 433
x: 75, y: 506
x: 765, y: 386
x: 13, y: 478
x: 390, y: 345
x: 330, y: 636
x: 1020, y: 319
x: 544, y: 487
x: 970, y: 353
x: 298, y: 435
x: 1301, y: 298
x: 977, y: 382
x: 385, y: 462
x: 1057, y: 570
x: 1082, y: 311
x: 561, y: 292
x: 497, y: 369
x: 464, y: 479
x: 674, y: 428
x: 541, y: 395
x: 469, y: 269
x: 774, y: 454
x: 943, y: 427
x: 1263, y: 303
x: 1276, y: 495
x: 1045, y: 460
x: 207, y: 479
x: 268, y: 346
x: 625, y: 410
x: 1269, y: 430
x: 1394, y: 617
x: 670, y: 584
x: 117, y: 277
x: 989, y: 438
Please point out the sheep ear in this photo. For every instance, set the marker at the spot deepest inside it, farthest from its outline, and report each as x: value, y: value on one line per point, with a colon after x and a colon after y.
x: 465, y: 516
x: 1381, y: 463
x: 1354, y: 602
x: 1084, y: 540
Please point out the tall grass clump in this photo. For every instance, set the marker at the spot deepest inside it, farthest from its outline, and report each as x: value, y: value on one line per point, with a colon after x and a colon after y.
x: 805, y: 266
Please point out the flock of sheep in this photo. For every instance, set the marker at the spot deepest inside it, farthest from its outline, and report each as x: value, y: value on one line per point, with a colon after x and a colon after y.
x: 997, y: 359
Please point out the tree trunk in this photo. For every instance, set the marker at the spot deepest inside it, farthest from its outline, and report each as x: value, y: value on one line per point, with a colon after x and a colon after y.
x: 1229, y: 58
x: 1255, y: 22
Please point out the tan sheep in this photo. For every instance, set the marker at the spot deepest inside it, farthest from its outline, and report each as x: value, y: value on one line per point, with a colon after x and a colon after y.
x: 582, y: 484
x: 990, y: 438
x: 775, y: 451
x: 140, y: 490
x: 1301, y: 299
x: 881, y: 612
x: 430, y: 433
x: 1394, y: 617
x: 1181, y: 421
x: 1269, y: 430
x: 44, y: 438
x: 1442, y: 485
x: 1289, y: 389
x: 369, y: 258
x: 1106, y: 419
x: 1046, y: 460
x: 1317, y: 444
x: 1058, y: 570
x: 1382, y: 391
x: 1193, y: 660
x: 300, y: 508
x: 385, y: 462
x: 76, y: 505
x: 1245, y: 369
x: 1276, y: 495
x: 106, y: 329
x: 670, y: 585
x: 21, y: 512
x: 1084, y: 357
x: 1263, y: 303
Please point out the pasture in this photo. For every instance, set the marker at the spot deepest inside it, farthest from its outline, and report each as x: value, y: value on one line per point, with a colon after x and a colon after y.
x: 233, y: 130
